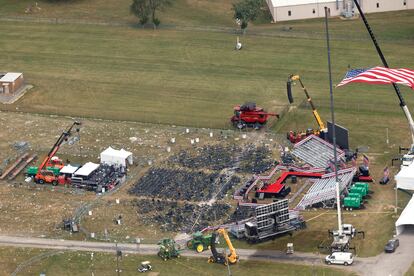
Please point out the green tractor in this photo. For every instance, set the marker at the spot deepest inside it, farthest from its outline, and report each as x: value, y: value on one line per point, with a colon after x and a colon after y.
x: 168, y: 249
x: 199, y: 242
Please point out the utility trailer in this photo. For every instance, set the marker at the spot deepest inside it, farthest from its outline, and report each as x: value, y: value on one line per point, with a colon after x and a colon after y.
x: 352, y: 202
x: 271, y: 220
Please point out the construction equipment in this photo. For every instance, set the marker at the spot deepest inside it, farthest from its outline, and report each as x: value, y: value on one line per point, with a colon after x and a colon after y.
x: 293, y: 136
x: 199, y: 242
x: 408, y: 158
x: 221, y: 258
x: 250, y: 115
x: 168, y: 249
x: 46, y: 176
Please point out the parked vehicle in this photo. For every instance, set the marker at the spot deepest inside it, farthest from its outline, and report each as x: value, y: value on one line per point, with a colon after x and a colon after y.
x: 199, y: 242
x: 391, y: 246
x: 145, y: 266
x: 344, y: 258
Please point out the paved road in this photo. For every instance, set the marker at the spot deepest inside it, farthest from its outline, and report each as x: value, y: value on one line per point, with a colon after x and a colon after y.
x: 394, y: 264
x: 384, y: 264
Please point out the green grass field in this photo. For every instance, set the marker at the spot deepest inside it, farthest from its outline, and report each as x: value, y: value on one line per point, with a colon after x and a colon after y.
x: 191, y: 78
x: 81, y: 263
x: 410, y: 272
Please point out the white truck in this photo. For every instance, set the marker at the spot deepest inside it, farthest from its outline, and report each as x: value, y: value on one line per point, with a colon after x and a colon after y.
x: 343, y: 258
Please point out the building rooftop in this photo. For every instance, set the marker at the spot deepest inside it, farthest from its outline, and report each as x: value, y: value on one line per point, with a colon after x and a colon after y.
x: 10, y: 77
x: 282, y: 3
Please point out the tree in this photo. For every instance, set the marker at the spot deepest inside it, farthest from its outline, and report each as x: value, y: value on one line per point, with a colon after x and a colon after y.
x: 247, y: 10
x: 140, y: 9
x: 143, y: 9
x: 155, y: 5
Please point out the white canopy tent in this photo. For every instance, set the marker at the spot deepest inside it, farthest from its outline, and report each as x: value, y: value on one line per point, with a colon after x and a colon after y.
x: 406, y: 217
x: 86, y: 169
x: 68, y: 169
x: 405, y: 178
x: 405, y: 181
x: 116, y: 157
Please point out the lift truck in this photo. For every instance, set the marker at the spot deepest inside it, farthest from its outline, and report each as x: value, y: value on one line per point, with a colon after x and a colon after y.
x: 44, y: 175
x: 293, y: 136
x: 250, y: 115
x: 221, y: 258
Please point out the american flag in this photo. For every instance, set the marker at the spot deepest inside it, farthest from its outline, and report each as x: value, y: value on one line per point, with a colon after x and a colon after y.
x: 354, y: 161
x: 386, y: 172
x: 380, y: 75
x: 366, y: 160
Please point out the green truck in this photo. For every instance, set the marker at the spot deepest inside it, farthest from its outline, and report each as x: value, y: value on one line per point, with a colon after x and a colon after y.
x: 32, y: 171
x: 199, y: 242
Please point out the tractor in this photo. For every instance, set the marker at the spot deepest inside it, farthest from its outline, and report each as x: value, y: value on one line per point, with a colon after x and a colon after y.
x: 250, y: 115
x: 199, y: 242
x: 168, y: 249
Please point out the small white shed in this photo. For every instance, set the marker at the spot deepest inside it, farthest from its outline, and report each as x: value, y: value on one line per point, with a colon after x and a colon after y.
x: 116, y: 157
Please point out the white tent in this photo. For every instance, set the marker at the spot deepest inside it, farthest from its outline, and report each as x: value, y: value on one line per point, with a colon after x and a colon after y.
x: 116, y: 157
x: 406, y: 217
x: 405, y: 181
x: 68, y: 169
x: 405, y: 178
x: 86, y: 169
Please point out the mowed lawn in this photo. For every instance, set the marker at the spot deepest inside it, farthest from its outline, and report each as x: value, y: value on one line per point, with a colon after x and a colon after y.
x: 182, y: 12
x: 82, y: 263
x: 185, y: 78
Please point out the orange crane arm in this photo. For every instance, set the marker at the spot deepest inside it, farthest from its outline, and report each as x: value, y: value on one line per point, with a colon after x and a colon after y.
x: 55, y: 147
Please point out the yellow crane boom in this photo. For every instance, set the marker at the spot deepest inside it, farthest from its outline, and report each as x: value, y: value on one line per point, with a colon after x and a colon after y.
x: 230, y: 258
x: 314, y: 111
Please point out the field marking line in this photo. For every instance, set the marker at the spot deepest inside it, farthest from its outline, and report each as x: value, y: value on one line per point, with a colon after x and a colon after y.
x: 317, y: 216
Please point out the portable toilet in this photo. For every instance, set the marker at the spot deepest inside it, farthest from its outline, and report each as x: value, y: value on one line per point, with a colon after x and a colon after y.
x: 362, y: 184
x: 357, y: 195
x: 352, y: 202
x: 360, y: 190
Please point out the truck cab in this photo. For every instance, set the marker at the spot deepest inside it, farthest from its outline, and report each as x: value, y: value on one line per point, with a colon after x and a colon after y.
x: 407, y: 159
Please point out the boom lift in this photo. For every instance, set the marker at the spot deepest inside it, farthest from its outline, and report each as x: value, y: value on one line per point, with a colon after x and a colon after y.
x: 44, y: 175
x: 220, y: 258
x: 322, y: 131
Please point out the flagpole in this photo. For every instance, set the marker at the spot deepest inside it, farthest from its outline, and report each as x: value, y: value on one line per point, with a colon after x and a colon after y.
x: 338, y: 199
x: 385, y: 63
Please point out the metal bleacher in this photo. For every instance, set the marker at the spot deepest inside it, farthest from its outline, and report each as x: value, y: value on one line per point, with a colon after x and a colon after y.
x: 315, y: 151
x: 324, y: 190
